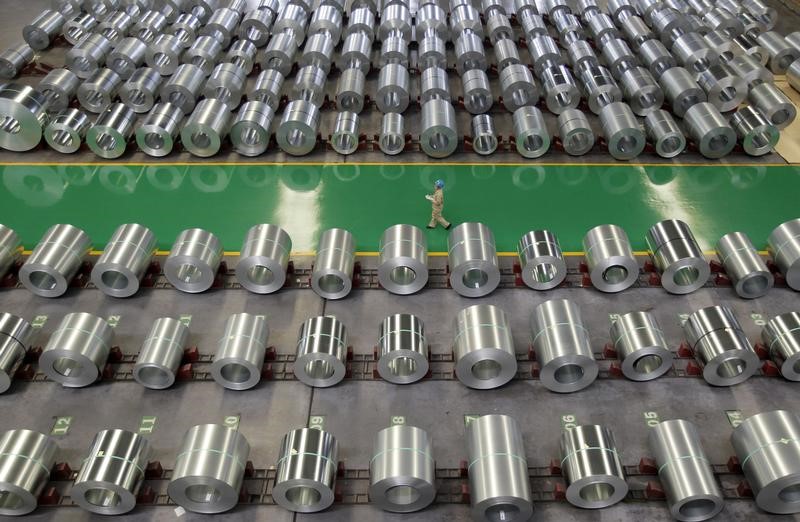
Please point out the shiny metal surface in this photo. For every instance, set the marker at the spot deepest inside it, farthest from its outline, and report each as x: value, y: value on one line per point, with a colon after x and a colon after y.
x: 402, y: 470
x: 15, y: 337
x: 622, y: 131
x: 592, y: 467
x: 500, y: 489
x: 484, y: 135
x: 392, y: 140
x: 756, y: 134
x: 685, y: 472
x: 264, y: 259
x: 43, y: 29
x: 664, y: 133
x: 748, y: 272
x: 640, y: 345
x: 13, y: 60
x: 542, y: 263
x: 67, y: 131
x: 403, y: 259
x: 161, y: 354
x: 193, y: 260
x: 250, y: 132
x: 226, y: 84
x: 609, y: 258
x: 240, y: 352
x: 206, y: 127
x: 332, y: 274
x: 184, y: 87
x: 345, y: 137
x: 781, y: 336
x: 112, y: 473
x: 532, y: 137
x: 125, y: 260
x: 402, y: 349
x: 58, y: 87
x: 711, y: 132
x: 22, y: 117
x: 472, y: 258
x: 575, y: 132
x: 26, y: 459
x: 140, y: 91
x: 306, y: 473
x: 321, y: 352
x: 483, y: 347
x: 127, y: 56
x: 677, y: 257
x: 108, y: 137
x: 784, y: 246
x: 720, y: 345
x: 97, y: 91
x: 76, y: 353
x: 158, y: 133
x: 681, y: 90
x: 779, y: 110
x: 56, y: 259
x: 209, y: 469
x: 163, y: 54
x: 439, y: 136
x: 10, y: 249
x: 297, y: 132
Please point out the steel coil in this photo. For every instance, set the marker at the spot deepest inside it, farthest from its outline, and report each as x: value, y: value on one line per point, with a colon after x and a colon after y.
x: 206, y: 127
x: 781, y: 336
x: 542, y: 263
x: 125, y: 260
x: 76, y: 353
x: 332, y: 274
x: 784, y: 247
x: 677, y: 257
x: 26, y: 459
x: 55, y: 261
x: 240, y: 352
x: 592, y: 467
x: 483, y: 347
x: 161, y: 354
x: 402, y: 470
x: 157, y: 135
x: 664, y: 133
x: 576, y: 134
x: 609, y: 258
x: 306, y: 472
x: 403, y: 262
x: 10, y: 249
x: 109, y: 136
x: 402, y: 349
x: 321, y: 354
x: 472, y: 258
x: 193, y: 260
x: 748, y: 272
x: 22, y: 117
x: 640, y: 345
x: 15, y: 337
x: 264, y: 259
x: 66, y: 132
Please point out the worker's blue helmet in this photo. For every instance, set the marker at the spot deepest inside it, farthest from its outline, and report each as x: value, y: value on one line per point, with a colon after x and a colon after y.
x: 439, y: 183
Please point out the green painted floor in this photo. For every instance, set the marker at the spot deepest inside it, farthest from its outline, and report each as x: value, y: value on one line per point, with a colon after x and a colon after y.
x: 306, y: 199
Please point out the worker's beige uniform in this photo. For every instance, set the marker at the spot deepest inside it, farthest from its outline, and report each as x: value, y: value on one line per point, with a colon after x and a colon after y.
x: 436, y: 209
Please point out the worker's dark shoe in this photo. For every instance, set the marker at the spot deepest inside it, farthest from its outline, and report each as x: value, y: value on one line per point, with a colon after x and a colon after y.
x: 430, y: 226
x: 448, y: 226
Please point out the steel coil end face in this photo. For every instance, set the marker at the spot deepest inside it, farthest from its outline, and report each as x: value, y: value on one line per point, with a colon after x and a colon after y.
x: 250, y: 129
x: 403, y: 265
x: 49, y: 270
x: 664, y: 133
x: 472, y: 255
x: 640, y: 344
x: 677, y: 257
x: 77, y: 352
x: 784, y: 247
x: 124, y: 261
x: 22, y: 116
x: 757, y: 134
x: 543, y: 265
x: 321, y: 352
x: 15, y: 336
x: 66, y: 132
x: 402, y: 470
x: 306, y: 471
x: 240, y: 355
x: 193, y: 261
x: 161, y: 354
x: 297, y: 131
x: 532, y: 136
x: 483, y: 347
x: 332, y: 275
x: 26, y: 459
x: 748, y: 272
x: 403, y: 349
x: 264, y: 259
x: 592, y: 468
x: 781, y: 335
x: 612, y: 265
x: 109, y: 136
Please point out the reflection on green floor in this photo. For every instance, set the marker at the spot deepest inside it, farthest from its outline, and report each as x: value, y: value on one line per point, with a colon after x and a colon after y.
x: 305, y: 199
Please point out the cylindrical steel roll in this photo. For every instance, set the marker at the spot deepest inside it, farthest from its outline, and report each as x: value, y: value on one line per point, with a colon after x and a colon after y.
x: 157, y: 135
x: 206, y: 127
x: 677, y: 257
x: 279, y: 54
x: 264, y: 259
x: 748, y: 272
x: 15, y: 336
x: 758, y: 136
x: 226, y: 84
x: 664, y: 133
x: 350, y: 91
x: 10, y: 249
x: 484, y: 136
x: 23, y: 113
x: 472, y: 258
x: 183, y: 88
x: 439, y: 136
x: 592, y: 467
x: 784, y: 247
x: 126, y: 57
x: 242, y: 54
x: 403, y: 264
x: 562, y: 347
x: 240, y: 352
x: 345, y: 137
x: 306, y: 472
x: 163, y: 55
x: 297, y: 132
x: 321, y: 352
x: 124, y: 261
x: 402, y: 470
x: 56, y: 259
x: 432, y: 52
x: 498, y: 470
x: 110, y: 477
x: 477, y: 92
x: 97, y: 92
x: 720, y: 345
x: 161, y: 354
x: 685, y: 472
x: 268, y: 88
x: 76, y: 353
x: 773, y: 103
x: 641, y: 91
x: 483, y: 347
x: 78, y: 27
x: 209, y: 469
x: 609, y: 257
x: 43, y: 29
x: 88, y: 54
x: 108, y: 137
x: 66, y: 132
x: 622, y: 131
x: 575, y: 132
x: 532, y: 137
x: 656, y: 57
x: 193, y: 261
x: 403, y: 350
x: 692, y: 52
x: 641, y: 346
x: 250, y: 129
x: 781, y: 54
x: 561, y: 91
x: 518, y: 87
x: 203, y: 53
x: 781, y: 335
x: 599, y: 87
x: 542, y: 263
x: 724, y: 89
x: 768, y: 448
x: 26, y: 459
x: 13, y: 60
x: 681, y: 90
x: 255, y: 26
x: 332, y: 274
x: 309, y: 84
x: 58, y: 88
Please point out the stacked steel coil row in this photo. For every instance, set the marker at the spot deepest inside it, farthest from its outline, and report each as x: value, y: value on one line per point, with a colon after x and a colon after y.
x: 661, y: 72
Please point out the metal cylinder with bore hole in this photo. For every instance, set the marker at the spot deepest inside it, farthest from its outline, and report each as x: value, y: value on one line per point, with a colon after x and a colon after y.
x: 757, y: 135
x: 193, y: 260
x: 127, y: 56
x: 163, y: 55
x: 402, y: 349
x: 599, y: 87
x: 184, y: 87
x: 57, y: 258
x: 664, y: 133
x: 109, y: 136
x: 681, y: 90
x: 498, y: 470
x: 209, y: 469
x: 264, y: 259
x: 439, y: 136
x: 773, y: 104
x: 43, y: 29
x: 306, y: 471
x: 575, y: 132
x: 203, y: 53
x: 125, y: 260
x: 403, y: 261
x: 781, y: 54
x: 240, y: 352
x: 345, y: 137
x: 15, y: 337
x: 477, y: 92
x: 402, y: 470
x: 472, y: 258
x: 250, y: 130
x: 641, y: 91
x: 88, y: 54
x: 332, y: 274
x: 78, y: 27
x: 747, y: 271
x: 781, y: 336
x: 161, y: 354
x: 484, y: 135
x: 783, y: 245
x: 609, y: 258
x: 66, y: 132
x: 725, y: 90
x: 226, y: 84
x: 112, y: 473
x: 26, y: 460
x: 206, y: 127
x: 350, y: 91
x: 483, y: 347
x: 720, y: 345
x: 321, y: 355
x: 562, y: 347
x: 77, y: 351
x: 642, y: 350
x: 677, y: 257
x: 141, y: 90
x: 621, y: 129
x: 392, y: 140
x: 24, y: 114
x: 710, y: 130
x: 10, y: 249
x: 684, y: 471
x: 157, y: 135
x: 14, y: 59
x: 768, y: 447
x: 297, y: 132
x: 540, y: 258
x: 268, y: 88
x: 530, y: 132
x: 591, y: 467
x: 58, y: 88
x: 96, y: 93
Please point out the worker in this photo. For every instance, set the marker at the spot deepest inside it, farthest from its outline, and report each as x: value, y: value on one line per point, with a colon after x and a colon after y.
x: 437, y: 204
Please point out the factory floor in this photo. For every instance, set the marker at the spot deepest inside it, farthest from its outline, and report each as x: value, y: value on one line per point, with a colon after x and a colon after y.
x: 367, y: 193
